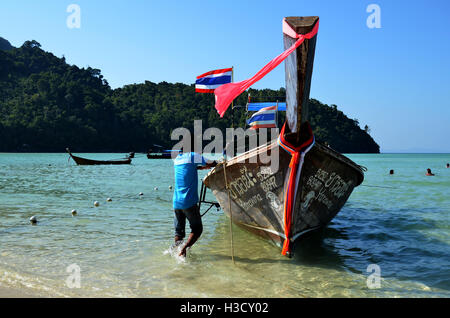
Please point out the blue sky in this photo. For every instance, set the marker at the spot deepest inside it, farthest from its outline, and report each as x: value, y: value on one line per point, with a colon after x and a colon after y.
x: 395, y: 79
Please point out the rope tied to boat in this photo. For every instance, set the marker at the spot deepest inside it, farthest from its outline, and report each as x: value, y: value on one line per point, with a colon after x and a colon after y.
x: 227, y: 186
x: 295, y: 166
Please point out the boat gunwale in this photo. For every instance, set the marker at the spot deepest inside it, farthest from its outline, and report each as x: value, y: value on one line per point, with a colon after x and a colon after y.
x: 327, y: 150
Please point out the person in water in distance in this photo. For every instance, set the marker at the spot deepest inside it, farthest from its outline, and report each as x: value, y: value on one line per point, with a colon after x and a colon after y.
x: 429, y: 173
x: 185, y: 197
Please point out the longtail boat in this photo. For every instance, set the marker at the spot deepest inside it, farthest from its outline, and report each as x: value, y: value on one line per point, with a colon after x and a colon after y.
x: 312, y: 182
x: 161, y: 154
x: 84, y: 161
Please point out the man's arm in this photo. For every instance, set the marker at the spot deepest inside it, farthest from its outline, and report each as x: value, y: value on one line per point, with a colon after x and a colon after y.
x: 209, y: 165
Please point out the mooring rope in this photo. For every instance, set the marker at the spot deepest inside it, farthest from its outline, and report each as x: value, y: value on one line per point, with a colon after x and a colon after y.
x: 229, y: 207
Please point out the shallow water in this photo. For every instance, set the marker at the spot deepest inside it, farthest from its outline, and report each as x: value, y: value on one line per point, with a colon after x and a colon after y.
x: 399, y: 222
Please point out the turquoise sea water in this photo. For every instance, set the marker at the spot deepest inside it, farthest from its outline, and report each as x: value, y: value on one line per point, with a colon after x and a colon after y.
x: 400, y: 223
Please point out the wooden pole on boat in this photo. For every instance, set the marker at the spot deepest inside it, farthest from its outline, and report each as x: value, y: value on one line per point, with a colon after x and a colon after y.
x: 232, y: 102
x: 276, y: 115
x: 225, y: 176
x: 298, y: 67
x: 231, y: 214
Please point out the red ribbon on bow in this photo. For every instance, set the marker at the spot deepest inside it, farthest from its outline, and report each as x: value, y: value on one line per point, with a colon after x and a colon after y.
x: 226, y: 93
x: 295, y: 165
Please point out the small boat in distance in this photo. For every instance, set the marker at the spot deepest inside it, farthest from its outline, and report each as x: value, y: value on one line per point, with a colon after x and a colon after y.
x: 84, y: 161
x: 161, y: 153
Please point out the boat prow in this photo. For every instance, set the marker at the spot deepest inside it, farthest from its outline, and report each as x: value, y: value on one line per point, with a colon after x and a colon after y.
x: 258, y: 193
x: 309, y: 183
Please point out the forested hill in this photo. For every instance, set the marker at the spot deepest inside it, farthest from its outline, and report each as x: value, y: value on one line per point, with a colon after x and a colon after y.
x: 47, y: 105
x: 5, y: 45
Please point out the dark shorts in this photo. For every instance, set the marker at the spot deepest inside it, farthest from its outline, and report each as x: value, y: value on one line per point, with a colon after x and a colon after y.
x: 194, y: 218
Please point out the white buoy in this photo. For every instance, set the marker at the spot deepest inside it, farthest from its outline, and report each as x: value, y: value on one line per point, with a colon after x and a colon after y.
x: 156, y: 188
x: 96, y: 203
x: 108, y: 200
x: 170, y: 187
x: 74, y: 212
x: 33, y: 220
x: 140, y: 193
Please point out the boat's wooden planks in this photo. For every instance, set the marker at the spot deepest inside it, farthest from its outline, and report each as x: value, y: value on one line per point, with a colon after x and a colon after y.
x: 257, y: 193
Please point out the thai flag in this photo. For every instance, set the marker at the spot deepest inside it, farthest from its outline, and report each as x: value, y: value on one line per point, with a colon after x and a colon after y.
x: 265, y: 118
x: 208, y: 82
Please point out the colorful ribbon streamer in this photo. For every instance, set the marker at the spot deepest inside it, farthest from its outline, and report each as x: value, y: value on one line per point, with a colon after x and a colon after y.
x: 295, y: 166
x: 226, y: 93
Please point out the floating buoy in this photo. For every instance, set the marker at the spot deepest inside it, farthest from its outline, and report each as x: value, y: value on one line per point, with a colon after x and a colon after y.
x: 156, y: 188
x: 96, y: 203
x: 33, y: 220
x: 74, y: 212
x: 140, y: 193
x: 108, y: 200
x: 170, y: 187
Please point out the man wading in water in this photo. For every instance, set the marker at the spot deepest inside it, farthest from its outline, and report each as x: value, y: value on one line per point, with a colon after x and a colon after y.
x: 185, y: 197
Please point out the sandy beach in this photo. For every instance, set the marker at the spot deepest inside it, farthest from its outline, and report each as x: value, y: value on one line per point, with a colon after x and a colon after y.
x: 8, y: 292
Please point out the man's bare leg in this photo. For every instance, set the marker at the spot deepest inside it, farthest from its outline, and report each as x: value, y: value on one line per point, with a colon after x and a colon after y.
x: 193, y: 237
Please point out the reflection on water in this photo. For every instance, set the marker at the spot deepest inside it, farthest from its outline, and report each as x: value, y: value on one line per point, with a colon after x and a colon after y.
x: 123, y: 247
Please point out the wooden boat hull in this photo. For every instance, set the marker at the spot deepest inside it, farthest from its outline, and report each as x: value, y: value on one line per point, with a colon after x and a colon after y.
x: 90, y: 162
x: 257, y: 193
x: 256, y: 190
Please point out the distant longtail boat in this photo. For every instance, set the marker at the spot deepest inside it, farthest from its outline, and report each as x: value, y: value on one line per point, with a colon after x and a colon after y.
x: 161, y: 153
x: 84, y: 161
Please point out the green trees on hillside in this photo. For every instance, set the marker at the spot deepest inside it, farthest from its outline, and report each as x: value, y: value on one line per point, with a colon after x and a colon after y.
x: 4, y: 44
x: 48, y: 105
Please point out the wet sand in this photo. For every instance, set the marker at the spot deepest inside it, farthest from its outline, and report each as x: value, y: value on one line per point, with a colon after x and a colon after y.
x: 7, y: 292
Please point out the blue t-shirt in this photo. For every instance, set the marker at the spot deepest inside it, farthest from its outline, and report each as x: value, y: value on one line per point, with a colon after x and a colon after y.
x: 186, y: 179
